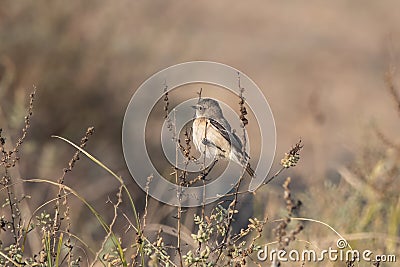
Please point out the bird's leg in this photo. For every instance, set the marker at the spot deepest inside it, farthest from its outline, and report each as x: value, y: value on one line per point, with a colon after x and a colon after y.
x: 207, y: 142
x: 208, y: 170
x: 212, y: 165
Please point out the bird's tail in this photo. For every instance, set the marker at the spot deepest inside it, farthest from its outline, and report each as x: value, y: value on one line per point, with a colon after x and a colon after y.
x: 250, y: 171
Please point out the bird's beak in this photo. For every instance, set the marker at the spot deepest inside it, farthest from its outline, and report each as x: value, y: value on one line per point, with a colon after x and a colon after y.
x: 194, y: 107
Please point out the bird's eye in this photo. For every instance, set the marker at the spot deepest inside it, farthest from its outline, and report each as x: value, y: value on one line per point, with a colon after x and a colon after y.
x: 200, y: 108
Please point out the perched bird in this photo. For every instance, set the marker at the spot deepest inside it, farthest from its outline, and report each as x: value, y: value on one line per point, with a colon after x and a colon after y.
x: 212, y: 133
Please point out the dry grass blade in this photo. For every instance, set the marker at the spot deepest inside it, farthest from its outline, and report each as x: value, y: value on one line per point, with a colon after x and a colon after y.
x: 357, y: 183
x: 11, y: 260
x: 137, y: 228
x: 91, y: 208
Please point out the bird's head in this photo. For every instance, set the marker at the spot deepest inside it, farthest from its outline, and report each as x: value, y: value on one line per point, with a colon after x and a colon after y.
x: 208, y: 107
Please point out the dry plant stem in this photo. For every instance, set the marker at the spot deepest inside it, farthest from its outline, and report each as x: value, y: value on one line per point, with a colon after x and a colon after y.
x: 386, y: 140
x: 11, y: 204
x: 295, y: 149
x: 250, y: 249
x: 232, y: 206
x: 390, y: 85
x: 166, y: 108
x: 9, y: 160
x: 10, y: 260
x: 393, y: 91
x: 179, y: 194
x: 149, y: 179
x: 205, y: 173
x: 281, y: 232
x: 69, y: 255
x: 115, y: 207
x: 92, y: 210
x: 203, y: 205
x: 27, y: 230
x: 178, y: 247
x: 202, y: 177
x: 243, y: 111
x: 199, y: 93
x: 57, y: 219
x: 172, y: 126
x: 166, y: 103
x: 120, y: 180
x: 134, y: 257
x: 273, y: 176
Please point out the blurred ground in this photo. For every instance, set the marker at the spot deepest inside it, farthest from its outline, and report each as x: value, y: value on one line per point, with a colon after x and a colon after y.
x: 320, y: 65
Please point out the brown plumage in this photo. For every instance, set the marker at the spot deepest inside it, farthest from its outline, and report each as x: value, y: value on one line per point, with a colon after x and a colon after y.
x: 212, y: 130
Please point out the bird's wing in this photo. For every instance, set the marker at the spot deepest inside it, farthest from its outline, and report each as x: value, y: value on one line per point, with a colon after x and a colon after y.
x: 237, y: 143
x: 232, y: 138
x: 221, y: 129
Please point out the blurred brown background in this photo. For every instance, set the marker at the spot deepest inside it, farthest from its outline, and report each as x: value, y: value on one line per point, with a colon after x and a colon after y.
x: 320, y: 65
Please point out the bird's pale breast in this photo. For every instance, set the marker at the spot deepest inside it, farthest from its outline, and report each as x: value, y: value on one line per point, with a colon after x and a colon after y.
x: 217, y: 145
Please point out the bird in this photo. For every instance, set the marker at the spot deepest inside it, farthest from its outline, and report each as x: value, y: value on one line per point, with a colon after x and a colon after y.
x: 212, y: 134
